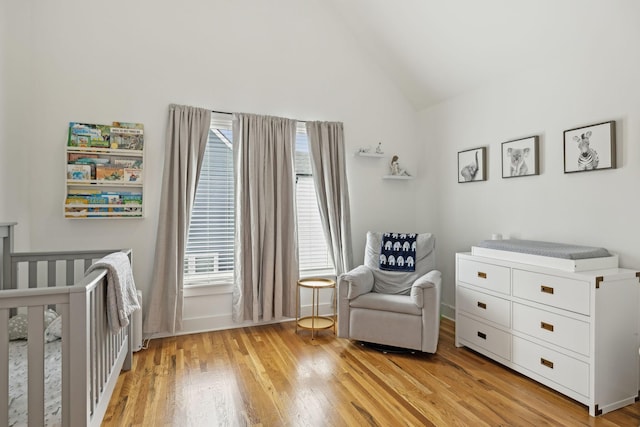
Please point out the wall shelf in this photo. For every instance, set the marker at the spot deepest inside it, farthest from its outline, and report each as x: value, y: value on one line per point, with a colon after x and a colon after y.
x: 374, y: 155
x: 399, y: 177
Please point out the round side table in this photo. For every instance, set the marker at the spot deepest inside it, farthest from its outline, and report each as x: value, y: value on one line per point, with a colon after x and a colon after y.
x: 315, y: 321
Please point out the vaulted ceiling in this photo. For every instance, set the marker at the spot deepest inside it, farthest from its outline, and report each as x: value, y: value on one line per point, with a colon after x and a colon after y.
x: 438, y: 49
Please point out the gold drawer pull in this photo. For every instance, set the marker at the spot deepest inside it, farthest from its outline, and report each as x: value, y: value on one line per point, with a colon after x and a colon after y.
x: 482, y: 275
x: 547, y: 326
x: 482, y: 305
x: 547, y: 363
x: 546, y: 289
x: 482, y: 335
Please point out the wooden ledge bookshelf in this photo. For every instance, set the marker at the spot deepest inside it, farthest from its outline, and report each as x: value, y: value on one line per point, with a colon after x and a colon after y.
x: 104, y: 176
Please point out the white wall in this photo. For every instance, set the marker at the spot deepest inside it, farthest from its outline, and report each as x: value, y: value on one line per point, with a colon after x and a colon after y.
x: 97, y: 62
x: 597, y: 208
x: 15, y: 96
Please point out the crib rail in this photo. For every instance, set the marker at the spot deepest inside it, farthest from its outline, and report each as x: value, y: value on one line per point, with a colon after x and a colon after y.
x: 91, y: 355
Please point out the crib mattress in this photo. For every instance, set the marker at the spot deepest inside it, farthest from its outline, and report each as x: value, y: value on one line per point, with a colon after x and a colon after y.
x: 547, y: 254
x: 18, y: 387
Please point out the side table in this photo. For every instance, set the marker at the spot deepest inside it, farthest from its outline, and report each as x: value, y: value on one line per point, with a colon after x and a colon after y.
x: 315, y: 321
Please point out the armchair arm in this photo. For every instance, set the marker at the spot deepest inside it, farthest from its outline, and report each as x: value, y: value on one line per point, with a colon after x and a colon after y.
x: 355, y: 282
x: 350, y: 285
x: 430, y: 280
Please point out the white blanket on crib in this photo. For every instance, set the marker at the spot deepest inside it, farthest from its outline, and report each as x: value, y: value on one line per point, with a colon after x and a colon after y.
x: 122, y: 298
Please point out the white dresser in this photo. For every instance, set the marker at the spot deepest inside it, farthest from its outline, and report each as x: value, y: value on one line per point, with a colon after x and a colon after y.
x: 576, y: 332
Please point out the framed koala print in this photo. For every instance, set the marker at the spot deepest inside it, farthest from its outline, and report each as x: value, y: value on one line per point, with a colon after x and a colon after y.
x: 520, y: 157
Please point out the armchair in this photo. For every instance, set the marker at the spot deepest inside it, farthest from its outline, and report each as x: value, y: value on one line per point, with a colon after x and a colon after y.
x: 394, y: 308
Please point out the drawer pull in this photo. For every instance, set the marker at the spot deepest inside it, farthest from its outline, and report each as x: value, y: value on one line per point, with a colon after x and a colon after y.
x: 482, y: 275
x: 547, y: 363
x: 482, y: 305
x: 546, y: 289
x: 482, y: 335
x: 547, y: 326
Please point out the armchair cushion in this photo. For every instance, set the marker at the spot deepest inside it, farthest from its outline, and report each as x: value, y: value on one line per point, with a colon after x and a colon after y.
x: 396, y: 282
x: 385, y: 302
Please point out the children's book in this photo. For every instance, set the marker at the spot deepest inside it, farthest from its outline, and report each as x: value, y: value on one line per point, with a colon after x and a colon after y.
x: 127, y: 136
x: 88, y: 135
x: 133, y: 175
x: 109, y: 173
x: 79, y: 172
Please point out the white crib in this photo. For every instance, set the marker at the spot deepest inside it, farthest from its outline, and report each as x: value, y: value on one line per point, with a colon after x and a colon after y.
x: 92, y: 357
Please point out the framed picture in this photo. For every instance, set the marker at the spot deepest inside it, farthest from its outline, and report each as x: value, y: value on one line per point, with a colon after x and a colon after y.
x: 472, y: 165
x: 520, y: 157
x: 590, y: 148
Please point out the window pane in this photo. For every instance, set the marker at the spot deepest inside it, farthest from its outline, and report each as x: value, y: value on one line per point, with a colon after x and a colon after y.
x: 312, y: 246
x: 209, y: 254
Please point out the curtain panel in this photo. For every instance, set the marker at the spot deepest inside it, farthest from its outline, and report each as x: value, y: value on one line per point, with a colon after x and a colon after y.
x: 186, y: 140
x: 328, y: 164
x: 266, y: 263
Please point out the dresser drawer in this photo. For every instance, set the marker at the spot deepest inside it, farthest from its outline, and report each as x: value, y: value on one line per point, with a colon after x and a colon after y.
x: 487, y: 337
x: 488, y: 307
x: 560, y: 292
x: 563, y: 331
x: 488, y: 276
x: 564, y: 370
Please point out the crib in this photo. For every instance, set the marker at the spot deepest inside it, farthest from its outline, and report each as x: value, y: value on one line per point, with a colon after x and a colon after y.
x: 91, y: 357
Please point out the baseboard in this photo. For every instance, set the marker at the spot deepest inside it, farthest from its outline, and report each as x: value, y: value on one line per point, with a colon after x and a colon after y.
x: 448, y: 311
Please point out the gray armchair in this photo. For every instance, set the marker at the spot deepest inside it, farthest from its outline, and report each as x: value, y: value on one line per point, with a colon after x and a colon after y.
x: 393, y: 308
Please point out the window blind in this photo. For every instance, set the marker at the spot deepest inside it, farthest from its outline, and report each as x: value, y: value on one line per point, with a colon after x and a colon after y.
x: 209, y: 254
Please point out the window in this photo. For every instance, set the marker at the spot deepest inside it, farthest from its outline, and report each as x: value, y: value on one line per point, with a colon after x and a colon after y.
x: 209, y: 254
x: 312, y: 247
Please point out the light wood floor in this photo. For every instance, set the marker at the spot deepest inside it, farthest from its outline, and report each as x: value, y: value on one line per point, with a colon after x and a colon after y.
x: 271, y: 376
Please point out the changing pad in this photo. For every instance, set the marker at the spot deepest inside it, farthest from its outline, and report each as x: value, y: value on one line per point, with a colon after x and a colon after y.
x: 547, y: 254
x: 555, y: 250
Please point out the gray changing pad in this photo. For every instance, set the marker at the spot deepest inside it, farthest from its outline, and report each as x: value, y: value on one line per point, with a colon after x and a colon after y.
x: 548, y: 249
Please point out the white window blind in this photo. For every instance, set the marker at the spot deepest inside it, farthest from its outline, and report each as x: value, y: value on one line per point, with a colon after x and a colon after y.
x: 209, y: 254
x: 312, y: 246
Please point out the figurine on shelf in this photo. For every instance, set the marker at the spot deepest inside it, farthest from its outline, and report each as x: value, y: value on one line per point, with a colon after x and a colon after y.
x: 379, y: 148
x: 364, y: 150
x: 395, y: 168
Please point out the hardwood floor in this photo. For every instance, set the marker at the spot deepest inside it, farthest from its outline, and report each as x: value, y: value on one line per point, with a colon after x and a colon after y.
x: 271, y: 376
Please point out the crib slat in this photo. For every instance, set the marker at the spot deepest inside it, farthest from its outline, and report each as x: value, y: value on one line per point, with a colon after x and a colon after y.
x: 51, y: 273
x: 33, y: 274
x: 35, y: 359
x: 79, y: 382
x: 4, y: 366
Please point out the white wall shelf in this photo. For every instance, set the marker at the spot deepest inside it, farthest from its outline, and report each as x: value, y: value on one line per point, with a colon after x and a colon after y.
x: 373, y: 155
x: 399, y: 177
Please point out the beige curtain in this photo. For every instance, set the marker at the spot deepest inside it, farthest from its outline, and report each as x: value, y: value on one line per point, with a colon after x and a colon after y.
x: 266, y: 262
x: 187, y: 135
x: 326, y: 142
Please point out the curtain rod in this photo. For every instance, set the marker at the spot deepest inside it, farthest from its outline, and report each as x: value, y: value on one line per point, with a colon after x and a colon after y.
x: 226, y: 112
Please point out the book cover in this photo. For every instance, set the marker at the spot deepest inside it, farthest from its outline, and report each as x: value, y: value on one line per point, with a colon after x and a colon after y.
x: 109, y: 173
x: 132, y: 204
x: 74, y: 157
x: 75, y: 211
x: 128, y: 163
x: 88, y: 135
x: 133, y: 175
x: 127, y: 136
x: 79, y: 172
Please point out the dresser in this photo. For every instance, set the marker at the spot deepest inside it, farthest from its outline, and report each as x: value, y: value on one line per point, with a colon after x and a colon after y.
x: 575, y: 332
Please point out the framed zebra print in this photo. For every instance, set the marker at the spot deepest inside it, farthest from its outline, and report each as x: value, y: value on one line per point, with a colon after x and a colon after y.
x: 590, y: 148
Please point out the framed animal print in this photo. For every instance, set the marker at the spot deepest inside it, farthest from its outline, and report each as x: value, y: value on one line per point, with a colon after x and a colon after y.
x: 520, y: 157
x: 472, y: 165
x: 590, y: 148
